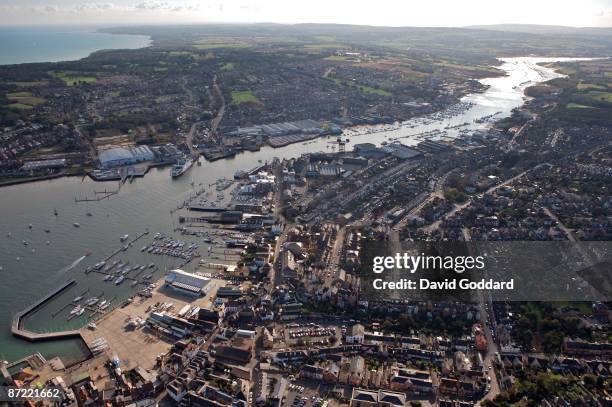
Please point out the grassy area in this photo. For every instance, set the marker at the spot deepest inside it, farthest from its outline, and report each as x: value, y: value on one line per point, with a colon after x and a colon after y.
x: 243, y: 96
x: 336, y: 58
x: 590, y: 86
x: 180, y: 53
x: 19, y: 106
x: 578, y: 106
x: 216, y: 44
x: 23, y: 100
x: 29, y: 84
x: 363, y: 88
x: 72, y: 79
x: 324, y: 46
x: 600, y: 96
x: 228, y: 66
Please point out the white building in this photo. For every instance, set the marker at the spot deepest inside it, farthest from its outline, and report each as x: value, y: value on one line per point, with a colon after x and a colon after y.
x: 187, y: 283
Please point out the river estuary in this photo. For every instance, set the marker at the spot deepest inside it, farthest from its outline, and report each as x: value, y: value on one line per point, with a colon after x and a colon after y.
x: 30, y: 271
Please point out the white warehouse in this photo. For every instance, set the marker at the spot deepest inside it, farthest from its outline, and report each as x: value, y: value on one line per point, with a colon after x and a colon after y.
x: 187, y: 283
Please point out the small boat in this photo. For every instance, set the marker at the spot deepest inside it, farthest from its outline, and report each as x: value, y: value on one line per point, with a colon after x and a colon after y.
x: 80, y: 312
x: 133, y: 283
x: 25, y: 243
x: 77, y: 299
x: 105, y: 306
x: 124, y: 238
x: 47, y: 243
x: 30, y: 226
x: 55, y: 212
x: 76, y: 309
x: 47, y: 231
x: 143, y: 248
x: 76, y: 225
x: 89, y: 214
x: 91, y: 325
x: 91, y: 301
x: 151, y: 265
x: 108, y: 277
x: 119, y: 280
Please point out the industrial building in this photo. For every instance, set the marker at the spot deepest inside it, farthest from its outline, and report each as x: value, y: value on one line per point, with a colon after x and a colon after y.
x: 187, y: 283
x: 118, y: 156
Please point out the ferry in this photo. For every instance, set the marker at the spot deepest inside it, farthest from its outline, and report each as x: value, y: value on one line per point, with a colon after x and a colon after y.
x: 181, y: 167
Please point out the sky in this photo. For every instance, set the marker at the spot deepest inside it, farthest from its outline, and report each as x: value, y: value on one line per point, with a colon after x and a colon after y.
x: 447, y: 13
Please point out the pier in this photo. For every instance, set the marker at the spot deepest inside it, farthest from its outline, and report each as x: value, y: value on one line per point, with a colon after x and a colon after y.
x: 19, y: 331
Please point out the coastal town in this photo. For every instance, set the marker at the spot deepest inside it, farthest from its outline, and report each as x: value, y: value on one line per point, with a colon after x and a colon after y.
x: 259, y: 295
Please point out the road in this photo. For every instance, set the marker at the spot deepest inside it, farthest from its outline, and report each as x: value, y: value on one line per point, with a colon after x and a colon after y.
x: 487, y: 320
x: 457, y: 208
x: 568, y: 233
x: 437, y: 192
x: 214, y: 124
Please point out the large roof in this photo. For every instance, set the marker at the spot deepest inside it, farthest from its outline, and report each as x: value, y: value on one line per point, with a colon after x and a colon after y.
x: 115, y: 154
x: 186, y: 281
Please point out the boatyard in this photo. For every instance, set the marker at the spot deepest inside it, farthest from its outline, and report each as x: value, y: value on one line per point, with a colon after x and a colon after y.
x: 123, y: 330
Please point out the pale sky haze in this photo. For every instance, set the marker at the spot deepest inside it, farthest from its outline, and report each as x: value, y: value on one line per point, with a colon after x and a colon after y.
x: 580, y: 13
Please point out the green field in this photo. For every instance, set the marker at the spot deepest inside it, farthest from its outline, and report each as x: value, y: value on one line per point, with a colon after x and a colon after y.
x: 336, y: 58
x: 204, y: 44
x: 180, y: 53
x: 72, y: 79
x: 363, y: 88
x: 324, y: 46
x: 23, y: 100
x: 600, y: 96
x: 19, y: 106
x: 243, y: 96
x: 577, y: 106
x: 228, y: 66
x: 29, y: 84
x: 589, y: 86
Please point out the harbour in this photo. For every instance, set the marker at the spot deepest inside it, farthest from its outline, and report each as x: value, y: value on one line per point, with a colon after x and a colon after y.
x: 151, y: 202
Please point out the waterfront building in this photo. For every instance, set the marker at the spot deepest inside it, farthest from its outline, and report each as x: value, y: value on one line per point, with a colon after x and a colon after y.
x: 187, y: 283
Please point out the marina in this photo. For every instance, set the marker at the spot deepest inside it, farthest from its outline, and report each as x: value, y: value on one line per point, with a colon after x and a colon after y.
x: 157, y: 202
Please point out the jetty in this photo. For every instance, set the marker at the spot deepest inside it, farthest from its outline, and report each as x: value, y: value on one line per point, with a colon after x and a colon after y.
x: 18, y: 330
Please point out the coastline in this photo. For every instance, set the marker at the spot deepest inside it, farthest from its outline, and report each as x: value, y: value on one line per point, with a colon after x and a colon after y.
x: 27, y: 45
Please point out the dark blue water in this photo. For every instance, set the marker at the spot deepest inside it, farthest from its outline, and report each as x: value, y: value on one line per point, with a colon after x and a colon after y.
x: 51, y: 44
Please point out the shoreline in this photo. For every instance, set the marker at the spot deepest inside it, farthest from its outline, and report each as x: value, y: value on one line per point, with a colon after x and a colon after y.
x: 79, y: 31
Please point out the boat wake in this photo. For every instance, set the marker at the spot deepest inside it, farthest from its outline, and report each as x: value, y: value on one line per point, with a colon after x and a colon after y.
x: 71, y: 265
